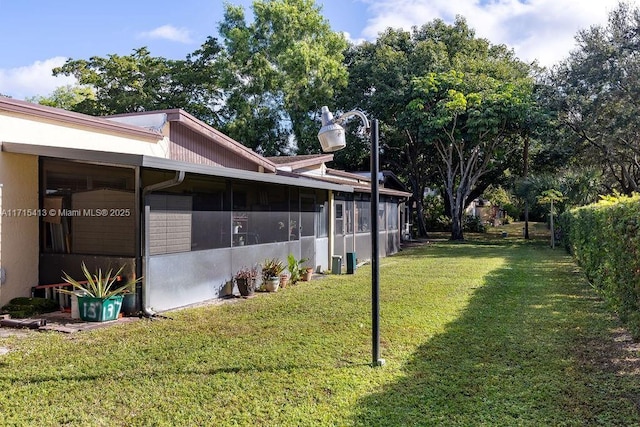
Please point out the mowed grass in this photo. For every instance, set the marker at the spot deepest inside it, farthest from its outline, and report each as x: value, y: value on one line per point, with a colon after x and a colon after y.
x: 488, y: 332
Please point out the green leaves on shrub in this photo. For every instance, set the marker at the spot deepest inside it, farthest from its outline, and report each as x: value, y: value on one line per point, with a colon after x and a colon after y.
x: 605, y: 240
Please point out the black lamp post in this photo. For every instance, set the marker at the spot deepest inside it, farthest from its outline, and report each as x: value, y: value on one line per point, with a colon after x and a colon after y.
x: 332, y: 138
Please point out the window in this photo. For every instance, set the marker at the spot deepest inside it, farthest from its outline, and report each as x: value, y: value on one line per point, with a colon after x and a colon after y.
x: 307, y: 216
x: 322, y: 220
x: 392, y: 215
x: 261, y: 214
x: 363, y: 216
x: 339, y: 218
x: 94, y: 209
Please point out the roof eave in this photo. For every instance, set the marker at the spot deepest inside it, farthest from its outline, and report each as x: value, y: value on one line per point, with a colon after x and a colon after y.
x: 100, y: 124
x: 193, y: 123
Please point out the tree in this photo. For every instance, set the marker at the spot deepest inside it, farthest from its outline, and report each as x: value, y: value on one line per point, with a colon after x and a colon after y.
x: 472, y: 120
x: 141, y: 82
x: 548, y: 197
x: 65, y: 97
x: 280, y: 69
x: 391, y: 80
x: 597, y: 93
x: 380, y: 75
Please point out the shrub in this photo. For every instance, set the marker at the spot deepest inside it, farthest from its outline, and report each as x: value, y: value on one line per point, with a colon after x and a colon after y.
x: 473, y: 224
x: 604, y: 238
x: 24, y: 307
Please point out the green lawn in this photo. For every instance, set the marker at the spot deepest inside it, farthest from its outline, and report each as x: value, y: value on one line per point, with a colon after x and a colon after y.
x: 488, y: 332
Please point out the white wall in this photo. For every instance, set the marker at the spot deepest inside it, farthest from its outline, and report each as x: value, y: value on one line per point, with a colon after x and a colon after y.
x: 19, y: 246
x: 29, y: 131
x: 19, y: 233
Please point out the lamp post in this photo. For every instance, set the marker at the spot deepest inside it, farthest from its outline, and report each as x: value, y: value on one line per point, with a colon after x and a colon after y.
x: 332, y: 138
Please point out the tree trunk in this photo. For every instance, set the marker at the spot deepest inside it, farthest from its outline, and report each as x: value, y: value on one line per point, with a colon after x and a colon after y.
x: 456, y: 228
x: 418, y: 196
x: 456, y: 220
x: 526, y: 219
x: 422, y: 226
x: 525, y: 173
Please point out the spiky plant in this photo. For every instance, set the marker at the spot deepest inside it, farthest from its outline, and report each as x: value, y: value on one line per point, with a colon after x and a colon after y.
x: 98, y: 285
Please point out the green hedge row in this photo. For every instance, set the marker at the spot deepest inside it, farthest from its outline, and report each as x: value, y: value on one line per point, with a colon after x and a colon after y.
x: 605, y: 240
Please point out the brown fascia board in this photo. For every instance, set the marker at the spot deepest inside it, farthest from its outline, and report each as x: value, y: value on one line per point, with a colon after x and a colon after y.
x: 180, y: 116
x: 303, y: 161
x: 349, y: 175
x: 58, y: 115
x: 358, y: 187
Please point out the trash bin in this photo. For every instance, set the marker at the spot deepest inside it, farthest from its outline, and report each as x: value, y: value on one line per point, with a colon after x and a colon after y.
x: 351, y: 262
x: 336, y: 264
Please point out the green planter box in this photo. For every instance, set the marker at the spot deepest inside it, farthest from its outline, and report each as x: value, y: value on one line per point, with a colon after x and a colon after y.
x: 98, y: 309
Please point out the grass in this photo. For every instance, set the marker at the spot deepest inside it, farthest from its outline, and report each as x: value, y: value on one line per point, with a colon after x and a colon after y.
x: 494, y: 331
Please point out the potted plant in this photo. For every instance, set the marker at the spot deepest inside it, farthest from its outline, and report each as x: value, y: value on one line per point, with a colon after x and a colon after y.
x: 294, y: 267
x: 245, y: 278
x: 100, y: 295
x: 306, y: 273
x: 284, y: 279
x: 271, y: 269
x: 130, y: 304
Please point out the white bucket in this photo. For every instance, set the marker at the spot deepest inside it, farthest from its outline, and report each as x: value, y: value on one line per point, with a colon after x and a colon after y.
x: 75, y: 309
x: 75, y: 313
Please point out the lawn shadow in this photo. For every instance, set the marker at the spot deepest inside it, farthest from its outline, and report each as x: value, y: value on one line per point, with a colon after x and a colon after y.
x: 531, y: 348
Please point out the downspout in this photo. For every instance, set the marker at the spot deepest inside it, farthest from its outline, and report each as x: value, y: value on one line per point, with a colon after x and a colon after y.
x: 177, y: 180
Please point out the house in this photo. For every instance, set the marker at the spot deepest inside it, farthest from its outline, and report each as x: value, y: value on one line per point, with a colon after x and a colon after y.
x: 175, y: 201
x: 351, y: 210
x: 485, y: 211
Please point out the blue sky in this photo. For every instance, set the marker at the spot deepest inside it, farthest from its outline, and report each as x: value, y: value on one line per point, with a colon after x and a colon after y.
x: 37, y: 35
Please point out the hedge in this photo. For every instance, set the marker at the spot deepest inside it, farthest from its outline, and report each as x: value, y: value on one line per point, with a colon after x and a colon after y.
x: 604, y: 238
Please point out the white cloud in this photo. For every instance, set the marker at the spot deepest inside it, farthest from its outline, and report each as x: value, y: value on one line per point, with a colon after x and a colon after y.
x: 350, y: 39
x: 168, y: 32
x: 34, y: 79
x: 535, y: 29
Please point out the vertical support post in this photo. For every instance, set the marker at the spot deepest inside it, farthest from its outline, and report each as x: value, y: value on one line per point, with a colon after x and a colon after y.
x: 553, y: 233
x: 2, y: 272
x: 375, y: 253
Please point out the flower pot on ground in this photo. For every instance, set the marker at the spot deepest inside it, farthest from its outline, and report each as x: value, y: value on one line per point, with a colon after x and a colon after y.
x: 294, y: 267
x: 102, y: 293
x: 271, y: 270
x: 307, y: 273
x: 246, y: 287
x: 245, y: 278
x: 130, y: 305
x: 284, y: 280
x: 99, y: 309
x: 272, y: 284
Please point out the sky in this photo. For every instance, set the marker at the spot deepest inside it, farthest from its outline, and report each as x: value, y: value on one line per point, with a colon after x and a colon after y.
x: 38, y: 35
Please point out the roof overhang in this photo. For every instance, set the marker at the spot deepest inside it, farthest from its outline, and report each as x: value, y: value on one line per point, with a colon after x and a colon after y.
x: 151, y: 162
x: 156, y: 119
x: 63, y: 117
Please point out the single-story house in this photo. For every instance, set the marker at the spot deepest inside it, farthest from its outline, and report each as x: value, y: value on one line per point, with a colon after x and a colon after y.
x: 351, y: 210
x: 486, y: 211
x: 175, y: 201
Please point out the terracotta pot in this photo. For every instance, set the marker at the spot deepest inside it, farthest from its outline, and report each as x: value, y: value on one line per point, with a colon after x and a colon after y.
x: 284, y: 280
x: 308, y: 273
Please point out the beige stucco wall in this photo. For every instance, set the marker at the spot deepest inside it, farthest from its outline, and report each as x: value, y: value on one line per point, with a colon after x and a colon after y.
x: 19, y: 233
x: 29, y: 131
x: 19, y: 246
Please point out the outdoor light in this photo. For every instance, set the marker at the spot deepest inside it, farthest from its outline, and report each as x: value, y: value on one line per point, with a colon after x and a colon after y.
x: 332, y: 138
x: 331, y: 134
